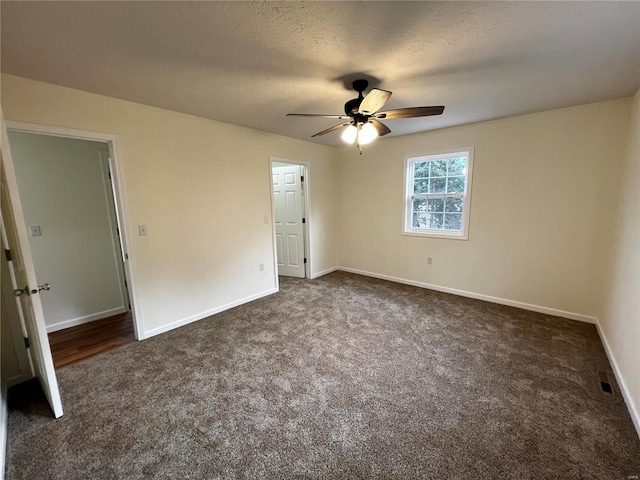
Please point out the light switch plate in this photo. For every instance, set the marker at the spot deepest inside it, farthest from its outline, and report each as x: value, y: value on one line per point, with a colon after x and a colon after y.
x: 142, y: 230
x: 35, y: 230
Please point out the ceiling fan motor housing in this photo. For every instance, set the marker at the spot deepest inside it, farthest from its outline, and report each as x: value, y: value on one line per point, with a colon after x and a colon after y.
x: 352, y: 106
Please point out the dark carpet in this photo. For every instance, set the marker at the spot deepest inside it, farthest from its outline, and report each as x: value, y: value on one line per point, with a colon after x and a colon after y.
x: 339, y: 377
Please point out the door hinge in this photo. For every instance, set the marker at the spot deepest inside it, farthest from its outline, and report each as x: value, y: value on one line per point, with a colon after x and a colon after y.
x: 109, y: 174
x: 302, y: 178
x: 27, y: 343
x: 304, y: 220
x: 7, y: 254
x: 305, y: 260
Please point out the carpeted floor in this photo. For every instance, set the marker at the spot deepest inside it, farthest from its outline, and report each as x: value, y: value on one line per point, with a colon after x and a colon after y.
x: 340, y: 377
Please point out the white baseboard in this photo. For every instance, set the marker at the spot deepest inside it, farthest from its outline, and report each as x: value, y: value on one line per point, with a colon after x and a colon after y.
x: 4, y: 415
x: 194, y: 318
x: 479, y: 296
x: 15, y: 380
x: 624, y: 389
x: 324, y: 272
x: 54, y: 327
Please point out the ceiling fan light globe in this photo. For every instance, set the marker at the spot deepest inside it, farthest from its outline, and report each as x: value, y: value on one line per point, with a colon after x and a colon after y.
x: 350, y: 133
x: 367, y: 134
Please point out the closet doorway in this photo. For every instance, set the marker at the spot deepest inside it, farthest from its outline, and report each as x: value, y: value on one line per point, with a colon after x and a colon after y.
x: 291, y: 217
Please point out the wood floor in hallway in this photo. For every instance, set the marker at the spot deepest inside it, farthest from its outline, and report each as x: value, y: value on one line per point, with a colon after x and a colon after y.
x: 78, y: 343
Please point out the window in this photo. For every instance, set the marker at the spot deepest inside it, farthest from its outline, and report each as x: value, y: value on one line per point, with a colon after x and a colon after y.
x: 437, y: 194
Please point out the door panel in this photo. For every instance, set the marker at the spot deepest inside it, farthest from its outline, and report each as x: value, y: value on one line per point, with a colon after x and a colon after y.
x: 288, y: 213
x: 294, y: 254
x: 24, y: 276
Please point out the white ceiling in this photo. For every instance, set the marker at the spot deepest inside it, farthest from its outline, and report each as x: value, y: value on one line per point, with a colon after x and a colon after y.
x: 250, y: 63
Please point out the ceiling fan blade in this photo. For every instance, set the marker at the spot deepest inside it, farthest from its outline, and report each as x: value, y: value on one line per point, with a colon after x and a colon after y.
x: 339, y: 117
x: 374, y: 101
x: 380, y: 127
x: 332, y: 129
x: 410, y: 112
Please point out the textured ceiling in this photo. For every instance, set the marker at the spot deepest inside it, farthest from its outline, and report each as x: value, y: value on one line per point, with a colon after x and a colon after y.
x: 250, y: 63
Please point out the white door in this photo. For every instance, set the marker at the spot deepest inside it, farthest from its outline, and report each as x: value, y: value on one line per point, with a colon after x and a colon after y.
x: 288, y: 217
x: 24, y: 278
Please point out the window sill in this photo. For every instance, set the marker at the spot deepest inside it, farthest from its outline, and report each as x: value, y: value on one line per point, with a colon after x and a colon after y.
x: 437, y: 234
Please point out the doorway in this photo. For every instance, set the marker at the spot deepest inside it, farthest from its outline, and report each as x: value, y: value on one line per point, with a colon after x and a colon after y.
x: 67, y: 182
x: 290, y: 180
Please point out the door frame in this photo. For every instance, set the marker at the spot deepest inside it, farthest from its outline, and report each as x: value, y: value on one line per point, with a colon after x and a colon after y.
x: 306, y: 205
x: 120, y: 199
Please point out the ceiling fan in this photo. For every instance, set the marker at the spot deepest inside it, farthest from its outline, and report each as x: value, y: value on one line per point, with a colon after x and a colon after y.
x: 363, y: 115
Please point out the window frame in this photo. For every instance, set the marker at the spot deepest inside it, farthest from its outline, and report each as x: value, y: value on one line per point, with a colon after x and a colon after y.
x: 409, y: 196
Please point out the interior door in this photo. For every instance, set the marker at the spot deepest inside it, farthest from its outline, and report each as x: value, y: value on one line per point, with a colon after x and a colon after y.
x: 23, y: 276
x: 288, y: 213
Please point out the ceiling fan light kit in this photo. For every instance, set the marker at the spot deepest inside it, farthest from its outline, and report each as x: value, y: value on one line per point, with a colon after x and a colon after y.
x: 363, y: 113
x: 350, y: 133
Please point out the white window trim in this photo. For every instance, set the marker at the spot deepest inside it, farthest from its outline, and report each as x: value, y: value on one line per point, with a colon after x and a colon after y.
x: 407, y: 229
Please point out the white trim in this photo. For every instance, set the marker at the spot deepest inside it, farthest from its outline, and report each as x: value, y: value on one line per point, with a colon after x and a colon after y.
x: 54, y: 327
x: 16, y: 380
x: 199, y: 316
x: 274, y: 259
x: 120, y: 199
x: 479, y: 296
x: 306, y: 227
x: 324, y: 272
x: 4, y: 416
x: 114, y: 224
x: 624, y: 389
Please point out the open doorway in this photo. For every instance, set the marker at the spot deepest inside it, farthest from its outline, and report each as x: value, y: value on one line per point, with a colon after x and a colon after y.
x: 68, y: 190
x: 291, y: 217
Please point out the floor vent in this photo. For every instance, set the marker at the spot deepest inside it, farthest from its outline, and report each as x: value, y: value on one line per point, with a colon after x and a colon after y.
x: 605, y: 383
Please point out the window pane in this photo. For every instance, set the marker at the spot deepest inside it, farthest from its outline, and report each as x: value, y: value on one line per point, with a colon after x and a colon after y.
x: 453, y: 204
x: 435, y: 204
x: 421, y: 186
x: 435, y: 220
x: 421, y: 170
x: 437, y: 185
x: 455, y: 185
x: 438, y: 168
x: 419, y: 220
x: 457, y: 166
x: 419, y: 209
x: 453, y: 221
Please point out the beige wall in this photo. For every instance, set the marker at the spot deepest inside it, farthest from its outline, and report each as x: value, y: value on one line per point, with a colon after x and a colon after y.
x: 620, y: 317
x: 201, y: 187
x: 64, y: 190
x: 541, y: 210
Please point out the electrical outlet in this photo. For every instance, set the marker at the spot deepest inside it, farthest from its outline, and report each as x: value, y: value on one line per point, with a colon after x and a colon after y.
x: 429, y: 260
x: 142, y: 230
x: 266, y: 220
x: 262, y: 267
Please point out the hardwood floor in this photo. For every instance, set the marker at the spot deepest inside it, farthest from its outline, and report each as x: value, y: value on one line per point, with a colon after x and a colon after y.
x: 79, y: 343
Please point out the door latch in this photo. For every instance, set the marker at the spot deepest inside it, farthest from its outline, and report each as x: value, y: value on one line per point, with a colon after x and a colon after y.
x: 26, y: 291
x: 22, y: 291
